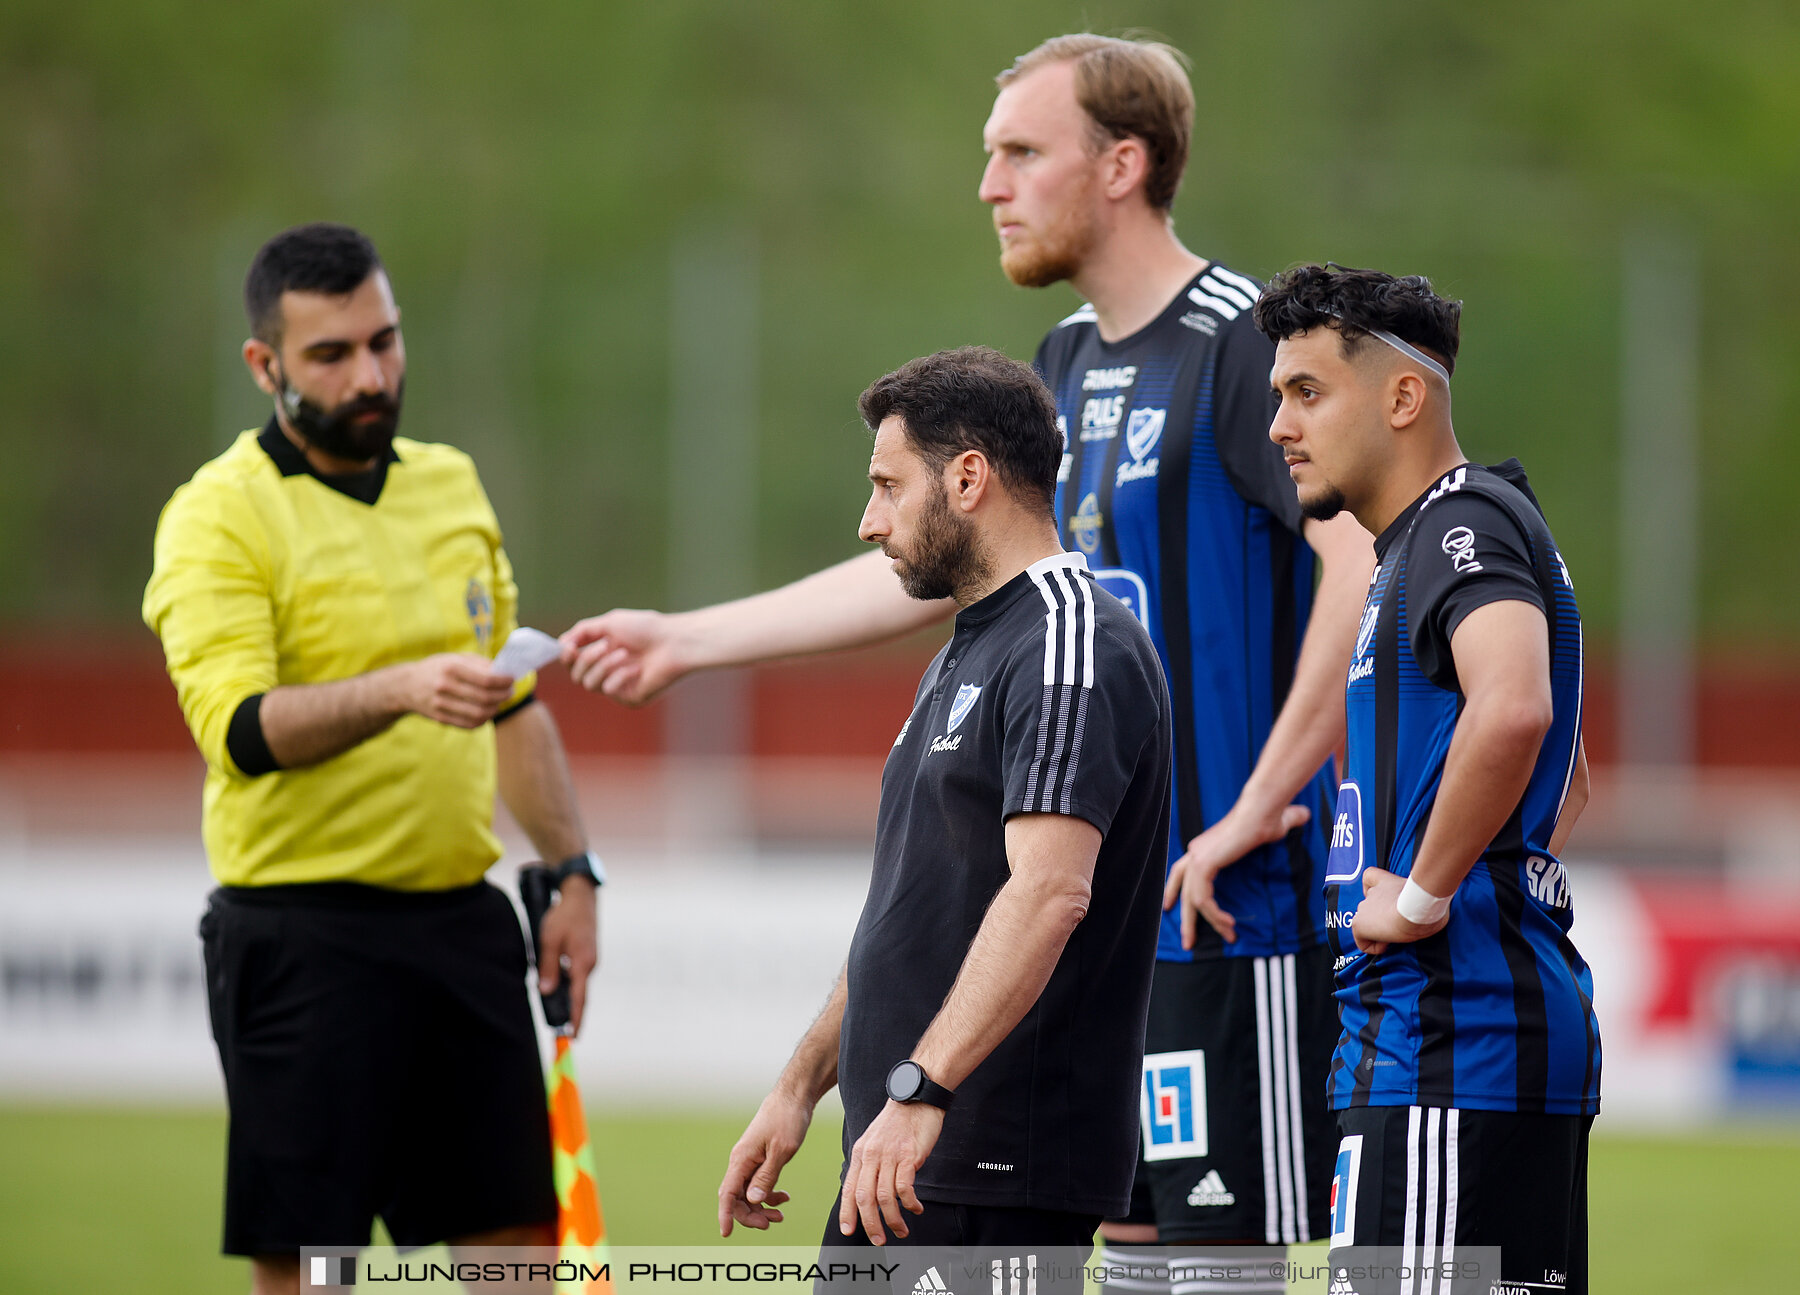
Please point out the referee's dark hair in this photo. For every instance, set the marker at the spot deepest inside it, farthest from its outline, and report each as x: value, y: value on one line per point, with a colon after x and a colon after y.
x: 1357, y: 303
x: 974, y: 398
x: 324, y: 258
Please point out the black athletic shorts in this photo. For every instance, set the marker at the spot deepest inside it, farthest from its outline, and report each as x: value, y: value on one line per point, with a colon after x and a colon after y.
x: 380, y: 1058
x: 1237, y: 1137
x: 1001, y: 1248
x: 1431, y: 1178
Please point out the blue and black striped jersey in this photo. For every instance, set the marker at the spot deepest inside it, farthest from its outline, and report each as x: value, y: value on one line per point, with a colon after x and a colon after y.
x: 1495, y: 1012
x: 1172, y: 488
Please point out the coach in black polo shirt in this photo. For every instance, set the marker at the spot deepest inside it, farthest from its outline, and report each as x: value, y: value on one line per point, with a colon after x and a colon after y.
x: 987, y: 1032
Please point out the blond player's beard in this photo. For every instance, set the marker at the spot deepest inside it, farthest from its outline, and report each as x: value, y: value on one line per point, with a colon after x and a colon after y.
x: 1059, y: 253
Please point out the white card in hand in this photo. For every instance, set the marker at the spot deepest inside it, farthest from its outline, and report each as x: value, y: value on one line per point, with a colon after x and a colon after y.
x: 526, y: 650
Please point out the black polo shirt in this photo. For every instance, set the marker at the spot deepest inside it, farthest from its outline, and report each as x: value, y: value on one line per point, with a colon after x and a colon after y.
x: 1049, y: 698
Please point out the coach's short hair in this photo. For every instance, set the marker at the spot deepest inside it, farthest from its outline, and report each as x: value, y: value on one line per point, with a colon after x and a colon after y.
x: 1358, y: 302
x: 974, y: 398
x: 324, y: 258
x: 1127, y: 88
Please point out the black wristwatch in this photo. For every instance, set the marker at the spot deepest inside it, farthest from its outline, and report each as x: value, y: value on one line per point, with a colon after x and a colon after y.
x: 908, y: 1082
x: 586, y: 864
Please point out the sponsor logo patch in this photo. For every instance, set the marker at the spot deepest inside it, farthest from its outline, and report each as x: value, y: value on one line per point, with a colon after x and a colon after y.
x: 1085, y: 525
x: 1548, y: 881
x: 1128, y: 587
x: 1100, y: 417
x: 1344, y: 861
x: 1109, y: 379
x: 1459, y: 543
x: 1343, y: 1191
x: 1172, y: 1105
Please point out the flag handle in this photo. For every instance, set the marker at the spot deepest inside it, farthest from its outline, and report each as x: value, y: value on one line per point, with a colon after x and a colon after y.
x: 537, y: 884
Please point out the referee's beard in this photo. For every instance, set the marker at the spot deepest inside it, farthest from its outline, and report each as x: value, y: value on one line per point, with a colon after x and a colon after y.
x: 946, y: 555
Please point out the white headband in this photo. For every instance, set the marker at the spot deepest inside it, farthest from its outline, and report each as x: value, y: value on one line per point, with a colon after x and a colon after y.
x: 1404, y: 347
x: 1412, y: 352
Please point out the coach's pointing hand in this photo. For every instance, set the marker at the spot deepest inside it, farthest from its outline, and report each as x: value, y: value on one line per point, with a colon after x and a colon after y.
x: 879, y: 1182
x: 747, y: 1194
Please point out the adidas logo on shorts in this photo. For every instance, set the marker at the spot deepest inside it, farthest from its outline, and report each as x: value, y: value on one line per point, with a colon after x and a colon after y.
x: 1210, y: 1190
x: 930, y: 1284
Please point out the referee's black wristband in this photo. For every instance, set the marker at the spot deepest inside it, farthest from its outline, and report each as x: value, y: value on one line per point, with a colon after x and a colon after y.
x: 586, y: 864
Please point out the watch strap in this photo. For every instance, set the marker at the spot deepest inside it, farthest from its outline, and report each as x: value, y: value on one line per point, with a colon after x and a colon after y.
x: 587, y: 864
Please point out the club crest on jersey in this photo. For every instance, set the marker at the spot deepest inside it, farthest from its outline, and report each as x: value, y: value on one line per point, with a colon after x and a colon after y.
x: 1172, y: 1105
x: 1343, y: 1190
x: 1085, y: 525
x: 1344, y: 861
x: 1363, y: 665
x: 1143, y: 428
x: 960, y: 704
x: 481, y: 612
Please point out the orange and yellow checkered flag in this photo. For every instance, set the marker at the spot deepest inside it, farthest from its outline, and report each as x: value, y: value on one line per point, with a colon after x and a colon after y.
x: 580, y: 1226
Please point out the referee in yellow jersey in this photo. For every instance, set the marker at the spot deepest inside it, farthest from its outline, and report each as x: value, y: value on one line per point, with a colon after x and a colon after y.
x: 329, y: 598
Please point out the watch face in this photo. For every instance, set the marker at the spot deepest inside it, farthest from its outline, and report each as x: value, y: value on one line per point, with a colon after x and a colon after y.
x: 905, y: 1080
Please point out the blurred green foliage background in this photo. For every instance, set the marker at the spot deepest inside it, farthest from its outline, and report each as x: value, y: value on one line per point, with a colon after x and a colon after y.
x: 526, y: 168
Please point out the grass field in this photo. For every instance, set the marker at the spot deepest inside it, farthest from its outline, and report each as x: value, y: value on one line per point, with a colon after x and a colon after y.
x: 141, y: 1189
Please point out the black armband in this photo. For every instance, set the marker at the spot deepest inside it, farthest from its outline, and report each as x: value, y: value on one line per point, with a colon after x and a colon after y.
x: 516, y: 707
x: 244, y: 740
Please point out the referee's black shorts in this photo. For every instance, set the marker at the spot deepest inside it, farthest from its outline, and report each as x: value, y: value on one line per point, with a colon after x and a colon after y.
x: 1238, y: 1139
x: 380, y: 1058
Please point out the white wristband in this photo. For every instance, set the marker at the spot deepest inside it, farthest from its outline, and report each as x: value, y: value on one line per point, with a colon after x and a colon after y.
x: 1419, y: 906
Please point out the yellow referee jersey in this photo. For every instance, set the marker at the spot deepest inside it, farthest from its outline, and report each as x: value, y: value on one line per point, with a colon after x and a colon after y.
x: 266, y: 575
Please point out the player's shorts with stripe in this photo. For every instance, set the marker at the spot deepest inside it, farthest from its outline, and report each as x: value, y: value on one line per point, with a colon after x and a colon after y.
x: 380, y: 1058
x: 1431, y: 1179
x: 1237, y: 1138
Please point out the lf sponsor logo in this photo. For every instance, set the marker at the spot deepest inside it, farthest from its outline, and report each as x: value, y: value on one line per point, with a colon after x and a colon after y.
x: 902, y: 736
x: 1143, y: 429
x: 1343, y: 1191
x: 1086, y: 523
x: 1344, y: 861
x: 1172, y: 1105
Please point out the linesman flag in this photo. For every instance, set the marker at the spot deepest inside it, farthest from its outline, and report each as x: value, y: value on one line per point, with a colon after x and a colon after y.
x: 580, y: 1226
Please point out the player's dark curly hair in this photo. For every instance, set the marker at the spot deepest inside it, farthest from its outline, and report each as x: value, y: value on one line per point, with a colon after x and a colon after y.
x: 323, y: 258
x: 1357, y: 301
x: 975, y: 398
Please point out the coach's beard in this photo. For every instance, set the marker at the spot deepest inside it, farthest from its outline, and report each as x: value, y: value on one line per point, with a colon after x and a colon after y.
x: 947, y: 558
x: 337, y: 431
